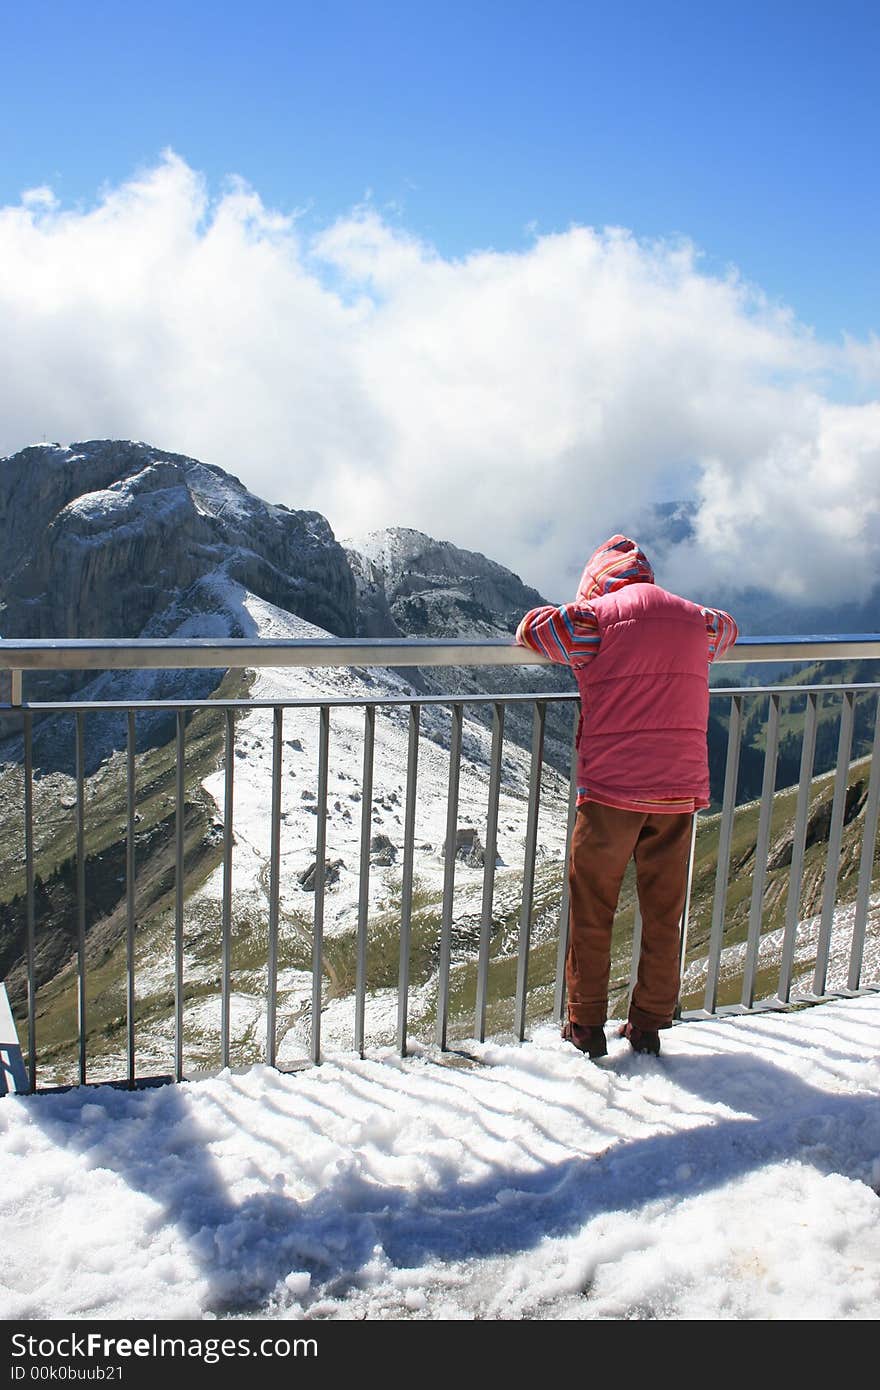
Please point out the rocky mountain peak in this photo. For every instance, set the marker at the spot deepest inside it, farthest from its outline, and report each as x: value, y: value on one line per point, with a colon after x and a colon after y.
x: 434, y: 588
x: 102, y: 538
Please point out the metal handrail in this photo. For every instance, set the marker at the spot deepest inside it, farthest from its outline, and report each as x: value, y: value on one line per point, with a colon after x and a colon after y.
x: 550, y: 697
x: 80, y: 654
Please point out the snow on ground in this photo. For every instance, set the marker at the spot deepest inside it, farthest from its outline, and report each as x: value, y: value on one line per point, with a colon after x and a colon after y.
x: 734, y: 1177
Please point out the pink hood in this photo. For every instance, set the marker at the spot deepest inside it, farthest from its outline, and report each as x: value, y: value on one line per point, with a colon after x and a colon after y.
x: 616, y: 563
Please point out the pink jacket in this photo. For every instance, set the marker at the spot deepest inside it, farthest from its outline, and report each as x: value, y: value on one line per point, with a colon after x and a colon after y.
x: 641, y: 659
x: 645, y: 700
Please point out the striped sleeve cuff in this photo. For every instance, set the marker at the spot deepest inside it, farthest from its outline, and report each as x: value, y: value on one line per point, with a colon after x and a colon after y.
x: 721, y: 631
x: 568, y: 635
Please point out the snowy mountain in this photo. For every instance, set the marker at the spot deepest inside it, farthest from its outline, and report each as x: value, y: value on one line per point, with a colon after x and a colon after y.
x: 125, y: 540
x: 430, y: 588
x: 111, y: 538
x: 102, y: 539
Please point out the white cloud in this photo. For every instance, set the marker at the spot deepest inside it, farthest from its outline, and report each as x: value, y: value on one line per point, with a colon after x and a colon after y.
x: 524, y: 404
x: 41, y: 197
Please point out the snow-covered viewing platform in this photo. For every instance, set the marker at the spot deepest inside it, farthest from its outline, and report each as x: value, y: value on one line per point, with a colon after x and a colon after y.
x: 735, y: 1176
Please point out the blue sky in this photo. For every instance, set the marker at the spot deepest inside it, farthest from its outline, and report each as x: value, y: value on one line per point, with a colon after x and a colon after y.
x: 750, y: 128
x: 484, y: 257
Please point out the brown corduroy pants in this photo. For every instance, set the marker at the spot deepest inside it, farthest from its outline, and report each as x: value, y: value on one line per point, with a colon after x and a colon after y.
x: 604, y: 839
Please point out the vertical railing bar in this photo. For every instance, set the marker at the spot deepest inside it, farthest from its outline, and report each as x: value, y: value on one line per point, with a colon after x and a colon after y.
x: 686, y: 913
x: 129, y: 895
x: 16, y: 687
x: 866, y: 862
x: 179, y: 872
x: 564, y: 905
x: 792, y: 906
x: 636, y: 949
x: 835, y: 838
x: 364, y: 885
x: 409, y: 830
x: 489, y: 868
x: 731, y: 771
x: 29, y: 894
x: 449, y: 875
x: 525, y: 919
x: 320, y: 874
x: 80, y: 895
x: 274, y: 885
x: 226, y: 961
x: 762, y: 847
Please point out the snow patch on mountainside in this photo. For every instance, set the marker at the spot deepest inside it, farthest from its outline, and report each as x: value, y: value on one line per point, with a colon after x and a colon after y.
x: 299, y: 783
x: 390, y: 547
x: 770, y: 947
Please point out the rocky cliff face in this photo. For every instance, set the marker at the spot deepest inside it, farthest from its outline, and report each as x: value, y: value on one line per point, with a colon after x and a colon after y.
x: 117, y: 539
x: 103, y: 539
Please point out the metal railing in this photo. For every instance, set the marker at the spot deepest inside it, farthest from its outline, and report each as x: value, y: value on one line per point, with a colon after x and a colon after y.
x: 21, y: 656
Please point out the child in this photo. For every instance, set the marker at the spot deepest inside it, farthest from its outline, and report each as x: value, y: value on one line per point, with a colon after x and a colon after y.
x: 641, y: 657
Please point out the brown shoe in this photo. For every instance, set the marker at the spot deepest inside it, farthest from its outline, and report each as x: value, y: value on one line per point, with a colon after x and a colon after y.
x: 586, y: 1039
x: 640, y: 1039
